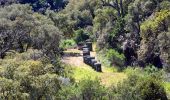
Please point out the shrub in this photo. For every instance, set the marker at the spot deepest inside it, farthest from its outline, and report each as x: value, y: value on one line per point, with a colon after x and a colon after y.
x: 23, y: 77
x: 68, y: 43
x: 80, y: 36
x: 154, y: 25
x: 92, y: 89
x: 151, y: 89
x: 84, y: 90
x: 10, y: 89
x: 70, y: 92
x: 140, y: 85
x: 165, y: 5
x: 115, y: 57
x: 110, y: 57
x: 125, y: 90
x: 102, y: 58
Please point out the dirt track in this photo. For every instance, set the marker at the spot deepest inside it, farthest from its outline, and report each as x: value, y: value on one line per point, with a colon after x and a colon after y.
x: 74, y: 57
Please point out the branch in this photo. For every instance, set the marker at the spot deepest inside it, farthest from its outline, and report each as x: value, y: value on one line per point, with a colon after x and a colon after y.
x: 109, y: 4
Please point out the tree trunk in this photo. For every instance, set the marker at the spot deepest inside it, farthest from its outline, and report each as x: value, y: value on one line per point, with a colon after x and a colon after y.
x: 121, y: 7
x: 118, y: 8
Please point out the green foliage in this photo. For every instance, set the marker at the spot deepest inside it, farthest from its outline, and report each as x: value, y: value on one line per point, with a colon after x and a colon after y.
x: 80, y: 36
x: 30, y: 74
x: 9, y: 89
x: 69, y: 92
x: 115, y: 57
x: 68, y: 43
x: 83, y: 90
x: 35, y: 79
x: 27, y: 78
x: 164, y: 38
x: 148, y: 71
x: 118, y: 28
x: 154, y: 32
x: 167, y: 87
x: 165, y: 5
x: 24, y: 29
x: 111, y: 57
x: 103, y: 59
x: 140, y: 85
x: 103, y: 18
x: 155, y: 24
x: 91, y: 89
x: 151, y: 89
x: 74, y: 16
x: 111, y: 54
x: 107, y: 27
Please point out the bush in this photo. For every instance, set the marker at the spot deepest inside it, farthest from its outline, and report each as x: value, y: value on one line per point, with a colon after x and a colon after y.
x: 140, y: 85
x: 22, y: 76
x: 70, y: 92
x: 154, y: 25
x: 67, y: 43
x: 165, y: 5
x: 115, y: 57
x: 103, y: 59
x: 92, y: 89
x: 80, y: 36
x: 110, y: 57
x: 84, y: 90
x: 151, y: 89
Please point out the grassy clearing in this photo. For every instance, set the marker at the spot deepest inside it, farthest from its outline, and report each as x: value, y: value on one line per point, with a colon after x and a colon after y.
x: 108, y: 77
x: 80, y: 71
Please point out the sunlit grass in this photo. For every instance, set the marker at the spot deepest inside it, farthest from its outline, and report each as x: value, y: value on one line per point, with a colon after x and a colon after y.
x: 108, y: 77
x: 167, y: 86
x: 84, y: 73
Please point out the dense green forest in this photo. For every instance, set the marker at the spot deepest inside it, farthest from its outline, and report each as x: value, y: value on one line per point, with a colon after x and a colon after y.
x: 45, y: 45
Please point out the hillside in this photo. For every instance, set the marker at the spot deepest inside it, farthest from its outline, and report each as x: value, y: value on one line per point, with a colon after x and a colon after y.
x: 84, y: 49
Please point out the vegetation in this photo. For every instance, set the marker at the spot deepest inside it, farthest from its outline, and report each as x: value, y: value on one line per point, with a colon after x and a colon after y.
x: 38, y: 60
x: 68, y: 43
x: 80, y: 36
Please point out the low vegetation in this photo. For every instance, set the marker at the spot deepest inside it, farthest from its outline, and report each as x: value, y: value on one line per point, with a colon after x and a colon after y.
x: 40, y: 60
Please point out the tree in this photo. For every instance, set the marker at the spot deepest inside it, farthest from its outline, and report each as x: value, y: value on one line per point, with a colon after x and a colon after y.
x: 116, y: 4
x: 13, y: 30
x: 42, y: 5
x: 74, y: 16
x: 7, y: 2
x: 22, y: 29
x: 151, y: 46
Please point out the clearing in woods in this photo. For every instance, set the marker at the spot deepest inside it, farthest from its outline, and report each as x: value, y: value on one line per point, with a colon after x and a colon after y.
x: 109, y: 76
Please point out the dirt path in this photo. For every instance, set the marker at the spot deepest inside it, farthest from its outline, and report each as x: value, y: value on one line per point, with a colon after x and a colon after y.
x: 74, y: 58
